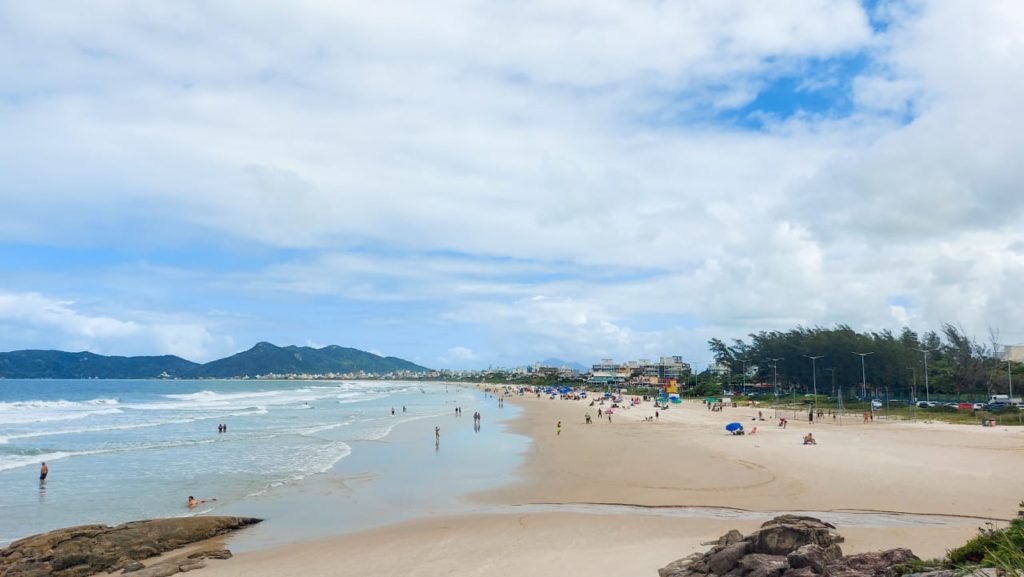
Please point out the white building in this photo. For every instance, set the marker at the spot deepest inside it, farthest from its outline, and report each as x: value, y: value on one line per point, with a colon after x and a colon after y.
x: 1013, y: 353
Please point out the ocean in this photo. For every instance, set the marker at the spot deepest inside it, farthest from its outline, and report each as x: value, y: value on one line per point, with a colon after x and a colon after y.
x: 313, y: 457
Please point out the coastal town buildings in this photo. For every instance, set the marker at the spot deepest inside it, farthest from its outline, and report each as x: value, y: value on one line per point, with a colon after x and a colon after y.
x: 666, y: 371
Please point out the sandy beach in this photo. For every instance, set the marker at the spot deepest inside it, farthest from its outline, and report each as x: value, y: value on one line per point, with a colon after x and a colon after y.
x: 557, y: 514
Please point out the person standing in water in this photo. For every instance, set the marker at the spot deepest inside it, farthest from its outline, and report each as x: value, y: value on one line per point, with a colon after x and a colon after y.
x: 43, y: 472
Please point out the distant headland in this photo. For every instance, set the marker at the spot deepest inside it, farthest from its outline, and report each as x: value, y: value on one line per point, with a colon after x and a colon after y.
x: 263, y: 360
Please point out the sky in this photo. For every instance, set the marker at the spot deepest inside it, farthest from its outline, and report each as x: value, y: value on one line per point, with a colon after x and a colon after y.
x: 468, y: 183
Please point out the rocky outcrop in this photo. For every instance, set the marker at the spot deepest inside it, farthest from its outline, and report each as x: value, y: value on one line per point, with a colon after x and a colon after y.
x: 89, y: 549
x: 786, y: 546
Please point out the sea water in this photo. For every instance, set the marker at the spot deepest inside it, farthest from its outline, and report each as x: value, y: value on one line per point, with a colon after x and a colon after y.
x: 315, y: 457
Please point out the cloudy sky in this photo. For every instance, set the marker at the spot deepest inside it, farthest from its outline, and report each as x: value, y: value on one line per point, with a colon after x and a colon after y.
x: 466, y: 183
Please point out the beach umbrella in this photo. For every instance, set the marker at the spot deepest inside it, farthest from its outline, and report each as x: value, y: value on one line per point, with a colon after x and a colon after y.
x: 733, y: 427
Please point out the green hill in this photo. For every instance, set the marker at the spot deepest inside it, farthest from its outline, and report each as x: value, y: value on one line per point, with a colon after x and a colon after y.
x: 262, y: 359
x: 266, y: 358
x: 61, y: 365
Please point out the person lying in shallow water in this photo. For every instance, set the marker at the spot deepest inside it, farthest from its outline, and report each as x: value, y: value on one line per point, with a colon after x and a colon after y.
x: 193, y: 502
x: 809, y: 439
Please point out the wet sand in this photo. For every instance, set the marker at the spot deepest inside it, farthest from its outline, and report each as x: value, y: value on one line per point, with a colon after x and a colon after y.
x: 952, y: 476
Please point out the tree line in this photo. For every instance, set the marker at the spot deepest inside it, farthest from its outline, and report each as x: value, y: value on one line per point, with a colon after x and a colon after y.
x: 958, y: 365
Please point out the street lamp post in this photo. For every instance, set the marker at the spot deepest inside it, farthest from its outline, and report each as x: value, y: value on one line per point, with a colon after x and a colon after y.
x: 927, y: 394
x: 1009, y: 377
x: 775, y: 372
x: 913, y: 392
x: 744, y: 363
x: 814, y: 377
x: 775, y: 368
x: 863, y: 375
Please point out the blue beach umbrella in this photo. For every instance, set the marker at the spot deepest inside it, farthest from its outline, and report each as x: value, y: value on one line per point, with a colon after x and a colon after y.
x: 733, y: 427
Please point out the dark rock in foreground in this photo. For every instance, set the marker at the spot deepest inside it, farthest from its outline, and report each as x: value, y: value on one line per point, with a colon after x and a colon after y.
x: 89, y: 549
x: 786, y: 546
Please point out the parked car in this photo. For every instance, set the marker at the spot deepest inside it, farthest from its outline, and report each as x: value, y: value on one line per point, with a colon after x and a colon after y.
x: 998, y: 407
x: 926, y: 404
x: 979, y: 406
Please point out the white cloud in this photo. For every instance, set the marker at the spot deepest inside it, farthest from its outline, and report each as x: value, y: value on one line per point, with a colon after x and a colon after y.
x: 60, y: 323
x: 458, y: 357
x: 564, y: 150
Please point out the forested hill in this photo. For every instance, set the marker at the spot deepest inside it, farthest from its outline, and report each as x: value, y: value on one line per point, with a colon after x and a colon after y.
x: 85, y: 365
x: 266, y: 358
x: 262, y: 359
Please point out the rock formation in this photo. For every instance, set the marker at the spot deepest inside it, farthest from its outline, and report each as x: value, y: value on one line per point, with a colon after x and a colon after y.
x: 89, y: 549
x: 786, y: 546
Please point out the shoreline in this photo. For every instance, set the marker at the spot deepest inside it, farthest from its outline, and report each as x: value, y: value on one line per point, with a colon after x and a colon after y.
x: 684, y: 460
x: 369, y: 488
x: 923, y: 486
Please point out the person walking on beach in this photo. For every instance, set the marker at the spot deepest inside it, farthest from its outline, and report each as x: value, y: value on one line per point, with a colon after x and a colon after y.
x: 558, y: 428
x: 656, y: 415
x: 43, y: 472
x: 810, y: 416
x: 437, y: 434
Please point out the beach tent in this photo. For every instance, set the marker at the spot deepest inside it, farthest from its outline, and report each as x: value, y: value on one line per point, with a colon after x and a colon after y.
x: 711, y: 400
x: 732, y: 427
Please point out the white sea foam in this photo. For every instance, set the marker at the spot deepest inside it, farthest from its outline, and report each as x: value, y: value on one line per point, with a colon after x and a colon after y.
x: 335, y: 452
x: 39, y: 411
x: 326, y: 427
x: 8, y: 462
x: 381, y: 432
x: 252, y: 411
x: 265, y: 398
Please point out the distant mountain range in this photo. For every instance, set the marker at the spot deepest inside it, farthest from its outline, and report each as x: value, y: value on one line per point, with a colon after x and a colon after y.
x: 559, y: 363
x: 262, y: 359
